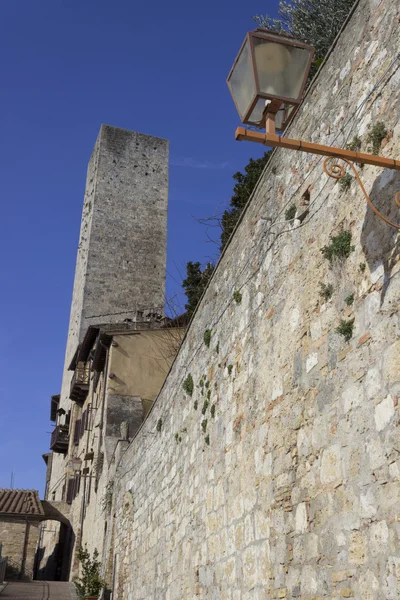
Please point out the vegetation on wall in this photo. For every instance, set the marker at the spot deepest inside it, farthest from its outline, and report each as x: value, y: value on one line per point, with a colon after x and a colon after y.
x: 207, y: 337
x: 326, y: 291
x: 345, y: 182
x: 376, y: 135
x: 290, y: 213
x: 339, y: 248
x: 345, y: 328
x: 188, y: 385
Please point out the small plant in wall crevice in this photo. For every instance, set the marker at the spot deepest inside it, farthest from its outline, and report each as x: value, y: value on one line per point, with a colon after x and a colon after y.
x: 349, y: 299
x: 290, y: 213
x: 345, y: 182
x: 237, y: 296
x: 159, y: 425
x: 207, y: 337
x: 188, y: 385
x: 326, y: 291
x: 376, y: 135
x: 345, y: 328
x: 339, y: 248
x: 354, y: 145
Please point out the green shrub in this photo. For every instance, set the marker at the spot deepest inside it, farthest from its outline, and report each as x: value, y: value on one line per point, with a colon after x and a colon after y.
x: 90, y: 583
x: 345, y: 328
x: 290, y: 213
x: 230, y: 367
x: 354, y: 145
x: 207, y: 337
x: 376, y: 135
x: 188, y: 385
x: 237, y: 296
x: 349, y: 299
x: 205, y: 406
x: 212, y: 411
x: 340, y: 246
x: 362, y: 267
x: 204, y: 425
x: 326, y: 291
x: 345, y: 181
x: 195, y: 405
x: 207, y: 440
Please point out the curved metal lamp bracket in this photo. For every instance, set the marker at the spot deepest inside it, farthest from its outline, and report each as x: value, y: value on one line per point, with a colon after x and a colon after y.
x: 337, y: 171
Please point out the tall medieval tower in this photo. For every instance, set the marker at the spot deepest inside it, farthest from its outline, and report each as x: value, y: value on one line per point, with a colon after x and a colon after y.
x: 121, y: 261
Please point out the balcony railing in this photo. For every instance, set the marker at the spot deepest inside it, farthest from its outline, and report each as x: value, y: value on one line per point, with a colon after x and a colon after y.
x: 59, y: 439
x: 80, y: 383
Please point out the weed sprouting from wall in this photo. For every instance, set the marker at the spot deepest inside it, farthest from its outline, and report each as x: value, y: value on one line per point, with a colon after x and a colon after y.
x: 345, y: 182
x: 290, y: 213
x: 204, y: 425
x: 208, y: 395
x: 362, y: 267
x: 237, y: 296
x: 195, y: 405
x: 345, y: 328
x: 159, y: 425
x: 207, y: 337
x: 212, y: 411
x: 188, y: 385
x: 207, y: 440
x: 230, y: 367
x: 326, y: 291
x: 354, y: 145
x: 205, y: 406
x: 339, y: 248
x: 376, y: 135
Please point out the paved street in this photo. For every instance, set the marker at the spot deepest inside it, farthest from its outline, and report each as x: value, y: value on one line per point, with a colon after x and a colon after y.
x: 38, y: 590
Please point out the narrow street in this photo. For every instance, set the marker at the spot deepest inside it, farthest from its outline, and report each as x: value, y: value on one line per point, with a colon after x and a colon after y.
x: 38, y: 590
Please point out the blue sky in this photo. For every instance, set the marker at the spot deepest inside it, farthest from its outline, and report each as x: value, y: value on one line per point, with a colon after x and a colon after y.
x: 68, y: 66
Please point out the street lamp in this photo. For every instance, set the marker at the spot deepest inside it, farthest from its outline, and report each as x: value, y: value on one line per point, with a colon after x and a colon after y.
x: 267, y: 83
x: 269, y: 76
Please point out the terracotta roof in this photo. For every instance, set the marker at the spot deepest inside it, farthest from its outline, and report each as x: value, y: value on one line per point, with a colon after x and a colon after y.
x: 21, y: 502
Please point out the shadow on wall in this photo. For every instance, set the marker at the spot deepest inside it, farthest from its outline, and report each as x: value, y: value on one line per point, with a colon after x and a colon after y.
x: 381, y: 242
x: 58, y: 564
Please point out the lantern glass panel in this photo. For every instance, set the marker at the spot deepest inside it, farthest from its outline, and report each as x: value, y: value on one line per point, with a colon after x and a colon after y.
x: 281, y: 68
x: 241, y: 80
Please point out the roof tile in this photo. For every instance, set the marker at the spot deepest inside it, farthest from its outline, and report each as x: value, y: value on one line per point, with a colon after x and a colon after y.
x: 22, y: 502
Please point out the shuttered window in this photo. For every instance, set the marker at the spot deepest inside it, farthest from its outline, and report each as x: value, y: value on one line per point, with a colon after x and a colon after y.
x: 77, y: 432
x: 70, y: 490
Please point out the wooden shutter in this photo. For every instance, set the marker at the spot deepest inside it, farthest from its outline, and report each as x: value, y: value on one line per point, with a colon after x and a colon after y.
x: 77, y: 431
x: 70, y: 490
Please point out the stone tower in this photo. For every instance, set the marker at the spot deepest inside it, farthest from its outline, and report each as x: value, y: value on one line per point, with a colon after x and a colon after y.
x: 121, y: 262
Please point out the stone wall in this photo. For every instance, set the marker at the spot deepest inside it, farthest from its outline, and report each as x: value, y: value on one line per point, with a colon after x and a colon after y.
x: 279, y: 476
x: 18, y: 542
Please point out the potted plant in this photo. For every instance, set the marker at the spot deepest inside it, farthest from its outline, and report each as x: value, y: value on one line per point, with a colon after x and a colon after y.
x: 90, y: 584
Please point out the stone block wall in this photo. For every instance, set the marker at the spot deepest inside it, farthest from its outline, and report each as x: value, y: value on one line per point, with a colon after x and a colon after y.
x: 18, y: 542
x: 279, y: 477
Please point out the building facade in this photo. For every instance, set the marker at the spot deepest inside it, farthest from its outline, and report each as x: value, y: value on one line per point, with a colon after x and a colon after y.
x: 119, y: 347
